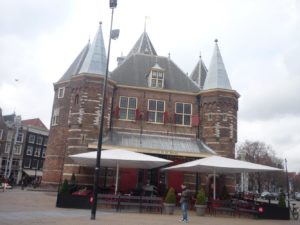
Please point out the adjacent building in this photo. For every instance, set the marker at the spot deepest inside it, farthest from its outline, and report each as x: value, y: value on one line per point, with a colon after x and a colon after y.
x: 152, y: 107
x: 23, y: 146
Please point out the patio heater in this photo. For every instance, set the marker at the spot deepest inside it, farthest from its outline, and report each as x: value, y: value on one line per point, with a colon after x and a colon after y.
x: 113, y: 34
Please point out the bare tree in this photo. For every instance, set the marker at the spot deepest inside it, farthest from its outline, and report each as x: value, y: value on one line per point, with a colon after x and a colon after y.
x: 260, y: 153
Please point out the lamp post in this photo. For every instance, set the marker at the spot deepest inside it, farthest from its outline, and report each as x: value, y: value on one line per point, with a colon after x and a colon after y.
x: 112, y: 35
x: 287, y: 182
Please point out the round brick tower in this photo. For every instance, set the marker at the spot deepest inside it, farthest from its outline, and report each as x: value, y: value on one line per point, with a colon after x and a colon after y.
x: 76, y: 114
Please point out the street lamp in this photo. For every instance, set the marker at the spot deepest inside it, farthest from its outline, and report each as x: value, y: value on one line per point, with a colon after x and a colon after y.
x: 113, y: 34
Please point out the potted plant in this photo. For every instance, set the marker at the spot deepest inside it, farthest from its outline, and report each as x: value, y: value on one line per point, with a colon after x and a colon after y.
x: 170, y: 201
x: 200, y: 203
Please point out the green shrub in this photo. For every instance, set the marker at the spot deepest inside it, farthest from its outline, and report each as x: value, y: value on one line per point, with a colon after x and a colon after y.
x: 201, y: 197
x: 65, y: 187
x: 171, y: 196
x: 281, y: 200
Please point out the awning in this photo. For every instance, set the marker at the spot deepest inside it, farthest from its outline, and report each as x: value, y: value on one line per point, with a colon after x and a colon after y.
x: 32, y: 173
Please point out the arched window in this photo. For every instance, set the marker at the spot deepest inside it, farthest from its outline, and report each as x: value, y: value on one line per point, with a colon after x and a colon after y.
x: 76, y: 100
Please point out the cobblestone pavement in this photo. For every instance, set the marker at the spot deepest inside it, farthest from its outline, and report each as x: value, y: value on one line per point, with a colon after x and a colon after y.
x: 23, y: 207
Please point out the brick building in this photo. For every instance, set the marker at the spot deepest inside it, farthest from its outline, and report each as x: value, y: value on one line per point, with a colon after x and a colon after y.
x: 23, y: 145
x: 151, y: 107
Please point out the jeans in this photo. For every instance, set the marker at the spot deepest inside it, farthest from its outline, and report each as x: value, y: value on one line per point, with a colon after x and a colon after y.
x: 184, y: 210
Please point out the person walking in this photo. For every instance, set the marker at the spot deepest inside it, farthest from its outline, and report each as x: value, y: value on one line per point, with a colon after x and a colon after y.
x: 184, y: 203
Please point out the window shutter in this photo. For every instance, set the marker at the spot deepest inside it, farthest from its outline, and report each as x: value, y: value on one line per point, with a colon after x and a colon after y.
x: 137, y: 114
x: 117, y: 112
x: 166, y: 116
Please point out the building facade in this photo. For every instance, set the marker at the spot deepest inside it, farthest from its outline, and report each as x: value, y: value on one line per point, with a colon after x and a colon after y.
x: 151, y: 107
x: 22, y: 148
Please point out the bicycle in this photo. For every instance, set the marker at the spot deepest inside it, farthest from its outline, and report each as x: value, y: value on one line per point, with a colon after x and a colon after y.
x: 294, y: 212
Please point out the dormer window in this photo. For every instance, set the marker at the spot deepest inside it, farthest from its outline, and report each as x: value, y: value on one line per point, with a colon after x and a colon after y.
x: 156, y: 77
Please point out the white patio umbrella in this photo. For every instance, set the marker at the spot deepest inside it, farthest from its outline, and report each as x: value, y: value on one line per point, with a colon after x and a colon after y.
x: 120, y: 158
x: 218, y: 164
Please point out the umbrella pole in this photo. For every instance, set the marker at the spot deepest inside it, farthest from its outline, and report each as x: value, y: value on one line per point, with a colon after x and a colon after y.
x: 117, y: 178
x: 214, y: 184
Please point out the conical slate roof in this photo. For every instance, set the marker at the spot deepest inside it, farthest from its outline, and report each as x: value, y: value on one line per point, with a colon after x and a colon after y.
x: 217, y: 76
x: 199, y: 73
x: 92, y: 59
x: 143, y: 46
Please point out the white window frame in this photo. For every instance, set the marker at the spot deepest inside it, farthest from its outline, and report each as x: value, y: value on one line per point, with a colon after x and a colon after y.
x: 55, y: 116
x: 31, y: 138
x: 129, y: 112
x: 29, y: 150
x: 61, y: 92
x: 9, y: 135
x: 155, y: 113
x: 20, y: 137
x: 39, y: 140
x: 154, y: 79
x: 183, y: 115
x: 37, y: 152
x: 1, y: 134
x: 37, y: 164
x: 45, y: 141
x: 29, y: 162
x: 17, y: 149
x: 44, y: 153
x: 7, y: 148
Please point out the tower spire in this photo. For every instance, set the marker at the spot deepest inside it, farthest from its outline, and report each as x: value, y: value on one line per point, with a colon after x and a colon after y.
x: 217, y: 76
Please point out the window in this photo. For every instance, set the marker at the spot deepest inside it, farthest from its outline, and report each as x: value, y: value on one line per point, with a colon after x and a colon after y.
x: 34, y: 164
x: 127, y: 108
x: 44, y: 153
x: 31, y: 138
x: 39, y: 140
x: 55, y: 116
x: 183, y: 113
x: 18, y: 149
x: 61, y: 92
x: 224, y: 117
x: 29, y: 150
x: 156, y: 109
x: 20, y: 137
x: 7, y: 148
x: 83, y: 138
x: 45, y: 141
x: 15, y: 162
x: 37, y: 152
x: 76, y: 99
x: 156, y: 79
x: 9, y: 135
x: 1, y: 134
x: 27, y: 163
x: 209, y: 117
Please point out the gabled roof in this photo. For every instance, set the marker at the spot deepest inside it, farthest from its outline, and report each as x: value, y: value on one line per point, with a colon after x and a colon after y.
x: 199, y: 73
x: 143, y: 46
x: 36, y: 122
x: 92, y: 59
x: 135, y: 69
x: 217, y: 76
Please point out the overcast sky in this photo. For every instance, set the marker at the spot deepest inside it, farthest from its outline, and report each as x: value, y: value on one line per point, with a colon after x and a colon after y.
x: 259, y: 42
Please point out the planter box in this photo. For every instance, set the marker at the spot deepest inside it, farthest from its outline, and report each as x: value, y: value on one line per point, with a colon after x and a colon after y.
x: 169, y: 208
x: 271, y: 211
x: 73, y: 201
